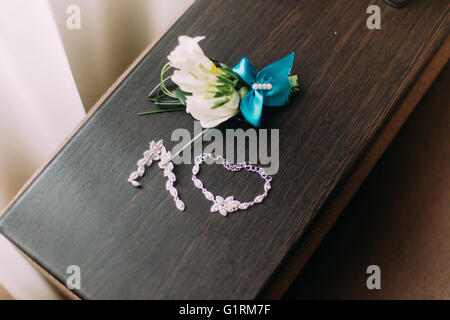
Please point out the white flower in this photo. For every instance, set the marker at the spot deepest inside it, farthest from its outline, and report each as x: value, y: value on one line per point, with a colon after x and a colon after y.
x: 199, y: 76
x: 196, y: 73
x: 202, y: 108
x: 188, y: 54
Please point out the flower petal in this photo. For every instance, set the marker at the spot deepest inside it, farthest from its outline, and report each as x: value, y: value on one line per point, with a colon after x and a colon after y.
x: 188, y: 82
x: 188, y: 54
x: 201, y: 109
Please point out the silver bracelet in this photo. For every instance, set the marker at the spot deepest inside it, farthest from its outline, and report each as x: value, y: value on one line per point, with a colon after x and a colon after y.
x: 229, y: 204
x: 156, y: 152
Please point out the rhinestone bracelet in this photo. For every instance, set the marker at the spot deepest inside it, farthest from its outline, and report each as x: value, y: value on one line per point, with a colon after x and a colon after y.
x: 229, y: 204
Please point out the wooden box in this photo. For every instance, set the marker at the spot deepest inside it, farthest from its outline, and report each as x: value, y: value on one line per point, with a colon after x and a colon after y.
x: 357, y: 88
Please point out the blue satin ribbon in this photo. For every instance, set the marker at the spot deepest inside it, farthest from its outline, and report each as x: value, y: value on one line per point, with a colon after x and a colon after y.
x: 276, y: 74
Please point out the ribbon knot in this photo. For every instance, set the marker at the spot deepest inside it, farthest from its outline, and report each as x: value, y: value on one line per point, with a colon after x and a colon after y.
x: 270, y: 87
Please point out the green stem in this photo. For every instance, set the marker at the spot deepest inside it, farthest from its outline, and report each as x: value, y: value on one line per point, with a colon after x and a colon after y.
x: 161, y: 111
x: 166, y: 67
x: 189, y: 144
x: 167, y: 102
x: 157, y: 87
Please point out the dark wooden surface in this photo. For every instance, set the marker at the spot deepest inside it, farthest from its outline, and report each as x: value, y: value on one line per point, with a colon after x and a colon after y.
x: 397, y: 3
x: 133, y: 243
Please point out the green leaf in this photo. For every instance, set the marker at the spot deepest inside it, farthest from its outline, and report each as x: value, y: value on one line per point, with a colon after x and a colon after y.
x: 230, y: 73
x: 160, y: 111
x: 243, y: 92
x: 181, y: 95
x: 219, y: 94
x: 219, y: 64
x: 223, y: 88
x: 168, y: 103
x: 294, y: 82
x: 220, y: 103
x: 225, y: 80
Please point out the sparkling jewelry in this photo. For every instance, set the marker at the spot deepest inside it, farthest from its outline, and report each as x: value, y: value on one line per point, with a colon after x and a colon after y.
x: 156, y: 152
x: 229, y: 204
x: 262, y: 86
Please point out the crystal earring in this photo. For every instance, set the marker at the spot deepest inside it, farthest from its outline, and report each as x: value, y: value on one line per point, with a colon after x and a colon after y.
x: 157, y: 152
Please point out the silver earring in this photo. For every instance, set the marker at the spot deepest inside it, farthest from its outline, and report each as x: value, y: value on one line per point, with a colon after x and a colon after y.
x: 157, y: 152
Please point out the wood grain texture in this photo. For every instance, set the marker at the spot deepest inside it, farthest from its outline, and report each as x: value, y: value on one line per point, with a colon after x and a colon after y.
x: 133, y: 243
x: 342, y: 194
x: 397, y: 3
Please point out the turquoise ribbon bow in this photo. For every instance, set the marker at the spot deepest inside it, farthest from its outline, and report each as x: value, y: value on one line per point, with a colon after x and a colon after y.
x: 270, y: 87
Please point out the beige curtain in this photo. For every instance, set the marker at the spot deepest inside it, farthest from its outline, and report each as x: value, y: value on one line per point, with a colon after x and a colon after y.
x: 39, y: 101
x: 50, y: 75
x: 39, y: 106
x: 112, y: 34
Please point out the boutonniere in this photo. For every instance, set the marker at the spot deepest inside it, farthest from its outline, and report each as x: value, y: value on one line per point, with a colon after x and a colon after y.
x: 212, y: 92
